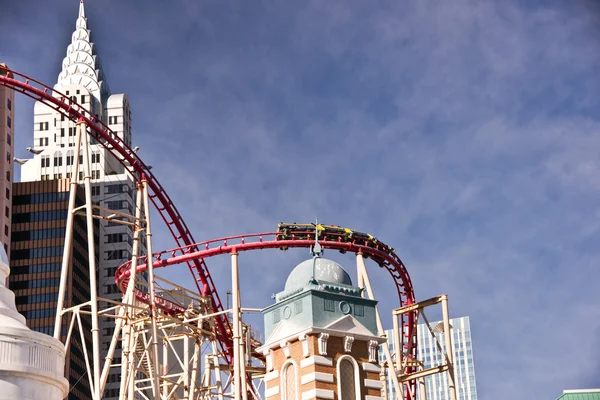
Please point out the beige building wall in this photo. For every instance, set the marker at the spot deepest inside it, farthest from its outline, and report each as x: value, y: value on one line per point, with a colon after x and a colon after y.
x: 7, y: 125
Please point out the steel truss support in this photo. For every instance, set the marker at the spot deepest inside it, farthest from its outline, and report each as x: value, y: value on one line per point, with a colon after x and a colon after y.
x: 140, y: 327
x: 403, y: 361
x: 364, y: 282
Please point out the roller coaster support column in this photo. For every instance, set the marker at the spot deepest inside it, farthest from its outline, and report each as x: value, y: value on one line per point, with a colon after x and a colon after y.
x: 195, y: 362
x: 449, y: 351
x: 153, y: 315
x: 123, y: 325
x: 68, y: 249
x: 364, y: 277
x: 82, y: 128
x: 239, y: 368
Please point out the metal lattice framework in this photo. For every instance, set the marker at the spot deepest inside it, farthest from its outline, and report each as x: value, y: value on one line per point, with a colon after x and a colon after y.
x: 194, y: 254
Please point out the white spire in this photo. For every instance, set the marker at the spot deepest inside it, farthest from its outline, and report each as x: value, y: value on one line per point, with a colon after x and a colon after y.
x: 81, y: 9
x: 82, y: 66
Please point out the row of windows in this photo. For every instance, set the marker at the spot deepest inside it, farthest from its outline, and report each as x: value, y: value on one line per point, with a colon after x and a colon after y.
x: 36, y: 298
x: 38, y: 252
x: 49, y: 330
x: 40, y: 198
x: 38, y: 234
x: 117, y: 188
x: 117, y: 205
x: 117, y: 255
x: 35, y: 283
x: 118, y: 238
x: 39, y: 216
x: 36, y: 268
x: 68, y: 175
x: 43, y: 313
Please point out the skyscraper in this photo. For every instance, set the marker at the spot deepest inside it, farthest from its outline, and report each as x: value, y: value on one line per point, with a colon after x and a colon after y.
x: 428, y: 352
x: 82, y: 80
x: 7, y: 113
x: 39, y: 219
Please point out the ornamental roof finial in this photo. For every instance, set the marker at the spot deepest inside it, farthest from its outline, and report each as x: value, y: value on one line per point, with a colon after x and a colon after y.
x: 81, y: 9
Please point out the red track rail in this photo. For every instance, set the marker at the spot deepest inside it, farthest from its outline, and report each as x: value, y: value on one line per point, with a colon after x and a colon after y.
x: 131, y: 161
x: 189, y: 251
x: 383, y: 255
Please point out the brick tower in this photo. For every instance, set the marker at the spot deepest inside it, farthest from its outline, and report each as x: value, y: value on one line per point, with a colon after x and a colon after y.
x: 321, y: 337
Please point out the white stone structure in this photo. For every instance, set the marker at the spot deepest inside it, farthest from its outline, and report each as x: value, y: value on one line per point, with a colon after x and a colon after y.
x: 31, y: 364
x: 83, y: 80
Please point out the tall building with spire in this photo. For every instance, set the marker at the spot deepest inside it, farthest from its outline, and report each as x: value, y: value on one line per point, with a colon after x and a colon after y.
x: 82, y: 79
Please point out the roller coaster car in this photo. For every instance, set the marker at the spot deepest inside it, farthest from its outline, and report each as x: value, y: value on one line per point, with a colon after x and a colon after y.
x: 286, y: 229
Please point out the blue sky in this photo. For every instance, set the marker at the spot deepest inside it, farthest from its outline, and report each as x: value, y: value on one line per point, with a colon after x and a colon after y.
x: 464, y: 134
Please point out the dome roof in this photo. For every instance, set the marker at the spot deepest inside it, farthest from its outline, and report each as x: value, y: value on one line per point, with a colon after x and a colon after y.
x: 325, y: 271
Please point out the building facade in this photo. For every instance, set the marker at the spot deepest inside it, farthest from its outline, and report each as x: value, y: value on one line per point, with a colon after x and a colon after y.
x: 38, y: 231
x: 7, y: 121
x: 82, y: 80
x: 580, y: 394
x: 428, y: 353
x: 321, y: 337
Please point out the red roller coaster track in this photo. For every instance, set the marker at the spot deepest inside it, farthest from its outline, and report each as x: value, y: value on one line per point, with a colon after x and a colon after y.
x: 130, y: 160
x: 190, y: 252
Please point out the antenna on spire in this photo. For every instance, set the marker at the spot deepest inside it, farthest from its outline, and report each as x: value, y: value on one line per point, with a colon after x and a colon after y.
x: 316, y: 251
x: 81, y: 9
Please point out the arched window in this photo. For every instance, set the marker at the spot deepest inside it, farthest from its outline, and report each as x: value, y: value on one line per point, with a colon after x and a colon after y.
x: 57, y: 159
x: 289, y: 381
x: 70, y: 155
x: 348, y: 378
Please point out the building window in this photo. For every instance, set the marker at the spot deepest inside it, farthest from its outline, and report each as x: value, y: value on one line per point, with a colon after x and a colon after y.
x: 348, y: 378
x: 43, y: 126
x: 7, y: 156
x: 7, y: 193
x: 57, y: 159
x: 359, y: 310
x: 289, y: 382
x: 9, y: 104
x: 62, y: 132
x: 7, y: 212
x: 6, y: 230
x: 8, y: 176
x: 329, y: 305
x: 8, y: 140
x: 83, y: 99
x: 9, y: 122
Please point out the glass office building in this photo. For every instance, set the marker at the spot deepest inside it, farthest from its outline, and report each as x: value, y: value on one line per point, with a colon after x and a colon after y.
x: 38, y: 237
x: 429, y: 353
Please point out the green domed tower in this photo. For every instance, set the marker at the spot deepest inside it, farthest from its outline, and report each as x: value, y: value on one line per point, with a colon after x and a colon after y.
x: 321, y: 337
